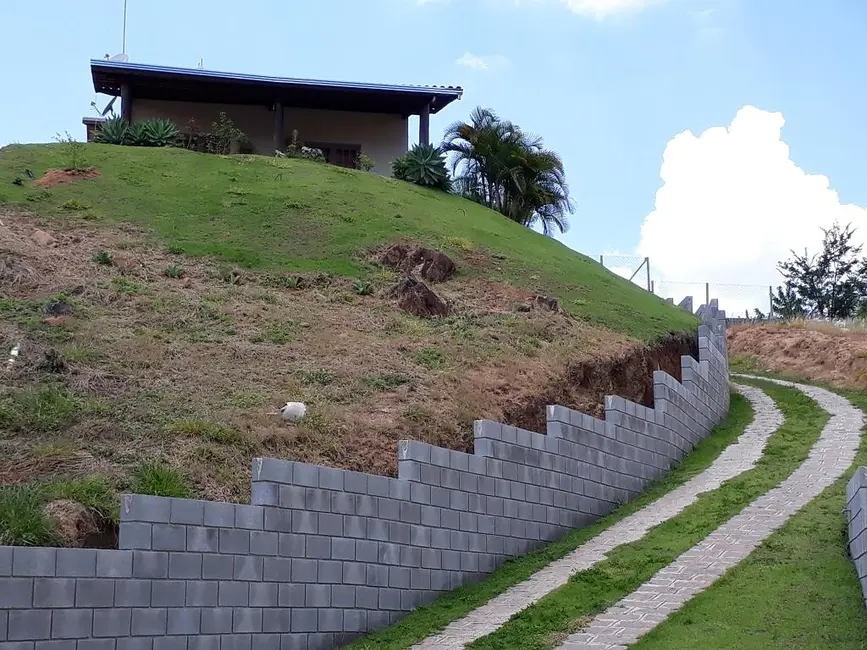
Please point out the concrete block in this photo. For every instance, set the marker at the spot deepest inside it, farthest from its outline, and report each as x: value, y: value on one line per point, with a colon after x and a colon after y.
x: 168, y: 593
x: 112, y: 622
x: 50, y: 593
x: 113, y: 564
x: 186, y: 566
x: 343, y: 596
x: 202, y: 594
x: 218, y: 567
x: 248, y: 568
x: 187, y: 511
x: 354, y: 573
x: 277, y: 620
x: 219, y: 515
x: 149, y: 622
x: 291, y: 545
x: 203, y: 540
x: 94, y: 592
x: 233, y: 594
x: 168, y: 537
x: 187, y: 620
x: 149, y: 564
x: 35, y: 624
x: 246, y: 620
x: 305, y: 620
x: 277, y: 569
x: 290, y: 595
x: 264, y: 594
x: 132, y: 593
x: 33, y: 562
x: 234, y: 541
x: 139, y: 507
x: 216, y: 620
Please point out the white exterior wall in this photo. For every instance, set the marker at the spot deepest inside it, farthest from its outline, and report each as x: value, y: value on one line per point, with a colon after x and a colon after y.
x: 381, y: 136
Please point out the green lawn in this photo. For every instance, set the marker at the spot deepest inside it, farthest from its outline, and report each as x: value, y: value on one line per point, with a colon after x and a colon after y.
x: 797, y: 591
x: 260, y: 212
x: 590, y: 592
x: 432, y: 618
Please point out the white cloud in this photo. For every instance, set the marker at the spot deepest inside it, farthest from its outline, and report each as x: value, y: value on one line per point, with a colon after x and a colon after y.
x: 599, y: 9
x: 732, y: 205
x: 489, y: 62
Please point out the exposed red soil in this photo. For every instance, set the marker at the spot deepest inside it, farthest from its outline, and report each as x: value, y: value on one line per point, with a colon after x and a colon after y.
x: 54, y: 177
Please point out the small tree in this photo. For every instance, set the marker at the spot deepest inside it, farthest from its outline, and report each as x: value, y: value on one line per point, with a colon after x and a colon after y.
x: 831, y: 284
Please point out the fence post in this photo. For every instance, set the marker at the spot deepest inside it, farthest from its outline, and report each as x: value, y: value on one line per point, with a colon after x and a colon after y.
x: 707, y: 293
x: 770, y: 302
x: 647, y: 262
x: 602, y: 260
x: 653, y: 286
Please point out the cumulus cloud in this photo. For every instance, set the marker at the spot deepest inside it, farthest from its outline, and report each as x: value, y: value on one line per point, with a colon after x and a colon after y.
x: 483, y: 63
x: 732, y: 204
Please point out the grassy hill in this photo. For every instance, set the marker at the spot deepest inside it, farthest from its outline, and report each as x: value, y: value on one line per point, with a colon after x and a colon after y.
x: 198, y: 293
x: 260, y: 212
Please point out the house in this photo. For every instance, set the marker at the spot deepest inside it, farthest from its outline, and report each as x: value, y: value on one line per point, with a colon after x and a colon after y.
x: 343, y: 119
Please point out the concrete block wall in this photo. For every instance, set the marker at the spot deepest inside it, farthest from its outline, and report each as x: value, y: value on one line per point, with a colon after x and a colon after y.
x: 322, y: 555
x: 856, y: 509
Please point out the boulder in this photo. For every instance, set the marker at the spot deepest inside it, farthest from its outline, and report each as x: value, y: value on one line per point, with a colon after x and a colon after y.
x: 73, y: 522
x: 431, y: 265
x: 418, y: 299
x: 55, y: 307
x: 43, y: 239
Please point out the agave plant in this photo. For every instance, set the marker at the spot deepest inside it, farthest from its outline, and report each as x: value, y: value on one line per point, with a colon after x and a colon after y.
x: 398, y: 168
x: 137, y: 135
x: 161, y: 132
x: 426, y: 166
x: 114, y: 130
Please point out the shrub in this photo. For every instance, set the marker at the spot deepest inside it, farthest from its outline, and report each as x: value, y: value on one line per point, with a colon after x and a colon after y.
x: 398, y: 168
x: 223, y: 135
x: 73, y: 151
x: 362, y: 288
x: 365, y: 162
x: 175, y: 272
x: 159, y: 480
x: 426, y: 166
x: 137, y: 135
x: 114, y: 130
x: 160, y: 132
x: 102, y: 257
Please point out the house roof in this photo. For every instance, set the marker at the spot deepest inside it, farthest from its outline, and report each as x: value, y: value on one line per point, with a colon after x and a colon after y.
x: 189, y: 84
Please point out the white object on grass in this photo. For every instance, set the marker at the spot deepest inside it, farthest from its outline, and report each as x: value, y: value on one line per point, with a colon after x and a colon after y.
x: 293, y: 411
x: 13, y: 356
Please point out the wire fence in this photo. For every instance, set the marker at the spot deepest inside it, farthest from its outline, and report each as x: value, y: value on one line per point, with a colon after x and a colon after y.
x: 738, y: 300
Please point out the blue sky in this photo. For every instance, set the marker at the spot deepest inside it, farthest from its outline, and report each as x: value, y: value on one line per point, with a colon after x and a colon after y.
x: 607, y: 83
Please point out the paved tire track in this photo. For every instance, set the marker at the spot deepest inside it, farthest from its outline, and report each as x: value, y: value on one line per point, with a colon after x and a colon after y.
x: 697, y: 569
x: 735, y: 459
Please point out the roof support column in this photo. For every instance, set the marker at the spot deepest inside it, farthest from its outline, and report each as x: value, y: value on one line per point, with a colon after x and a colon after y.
x: 424, y: 125
x: 126, y: 103
x: 279, y: 133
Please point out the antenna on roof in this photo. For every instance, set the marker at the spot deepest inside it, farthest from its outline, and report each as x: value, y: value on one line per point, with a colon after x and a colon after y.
x: 123, y: 48
x: 201, y: 64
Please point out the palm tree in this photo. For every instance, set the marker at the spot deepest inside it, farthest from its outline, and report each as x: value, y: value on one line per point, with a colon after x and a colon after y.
x: 501, y: 167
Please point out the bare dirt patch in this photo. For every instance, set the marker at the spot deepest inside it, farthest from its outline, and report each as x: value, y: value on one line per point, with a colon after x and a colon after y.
x: 54, y: 177
x: 819, y: 352
x: 190, y: 371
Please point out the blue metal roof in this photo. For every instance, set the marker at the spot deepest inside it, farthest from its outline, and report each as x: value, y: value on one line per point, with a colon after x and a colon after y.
x: 106, y: 76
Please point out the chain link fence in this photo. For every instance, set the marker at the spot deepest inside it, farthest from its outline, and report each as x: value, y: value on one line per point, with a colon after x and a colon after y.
x: 748, y: 301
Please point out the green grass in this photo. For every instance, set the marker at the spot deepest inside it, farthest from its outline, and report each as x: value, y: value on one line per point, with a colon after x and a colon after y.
x: 797, y: 591
x: 39, y: 409
x: 22, y: 522
x: 291, y: 217
x: 432, y: 618
x: 627, y: 567
x: 210, y: 431
x: 159, y: 480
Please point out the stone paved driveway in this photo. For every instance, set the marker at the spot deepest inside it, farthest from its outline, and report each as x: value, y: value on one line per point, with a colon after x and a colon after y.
x: 735, y: 459
x: 695, y: 570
